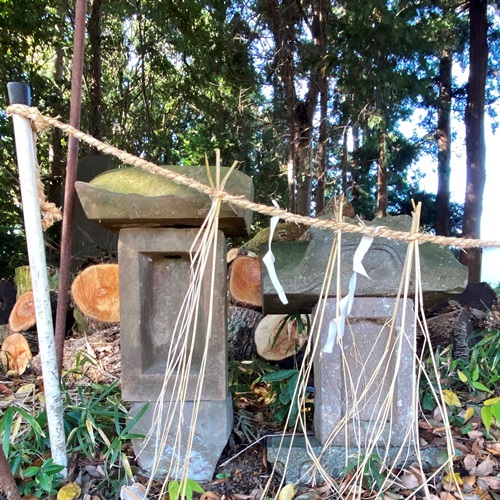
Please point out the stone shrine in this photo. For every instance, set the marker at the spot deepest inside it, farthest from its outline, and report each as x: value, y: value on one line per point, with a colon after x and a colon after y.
x: 341, y: 376
x: 158, y: 223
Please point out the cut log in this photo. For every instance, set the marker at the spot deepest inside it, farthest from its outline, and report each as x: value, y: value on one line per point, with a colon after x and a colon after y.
x: 452, y: 328
x: 275, y: 345
x: 241, y: 326
x: 22, y: 316
x: 232, y: 253
x: 244, y: 281
x: 95, y: 292
x: 15, y: 353
x: 23, y: 279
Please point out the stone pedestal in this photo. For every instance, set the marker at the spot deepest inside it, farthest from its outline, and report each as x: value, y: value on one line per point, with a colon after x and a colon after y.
x: 154, y: 279
x: 213, y: 428
x: 333, y: 460
x: 349, y: 375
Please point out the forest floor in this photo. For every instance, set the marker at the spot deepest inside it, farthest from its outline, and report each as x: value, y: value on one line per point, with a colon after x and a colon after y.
x: 245, y: 470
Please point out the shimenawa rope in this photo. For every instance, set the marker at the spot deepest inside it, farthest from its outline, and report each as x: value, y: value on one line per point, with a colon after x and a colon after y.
x: 41, y: 122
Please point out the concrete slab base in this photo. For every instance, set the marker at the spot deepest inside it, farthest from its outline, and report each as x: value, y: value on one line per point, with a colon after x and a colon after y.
x: 213, y: 427
x: 299, y: 468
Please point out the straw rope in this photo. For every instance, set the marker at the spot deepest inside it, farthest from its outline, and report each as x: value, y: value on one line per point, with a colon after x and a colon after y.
x: 40, y: 122
x: 50, y: 212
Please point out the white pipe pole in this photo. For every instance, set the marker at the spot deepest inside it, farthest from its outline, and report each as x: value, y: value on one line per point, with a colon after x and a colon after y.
x: 19, y: 93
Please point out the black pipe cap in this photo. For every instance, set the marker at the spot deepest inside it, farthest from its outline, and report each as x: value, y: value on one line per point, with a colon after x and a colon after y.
x: 19, y: 93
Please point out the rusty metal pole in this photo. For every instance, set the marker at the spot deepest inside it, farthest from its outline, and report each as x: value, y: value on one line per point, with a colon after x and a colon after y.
x: 69, y: 188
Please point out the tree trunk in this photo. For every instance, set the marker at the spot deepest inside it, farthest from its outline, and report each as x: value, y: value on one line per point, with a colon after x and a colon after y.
x: 321, y: 10
x: 323, y: 137
x: 345, y: 161
x: 382, y: 176
x: 443, y: 136
x: 474, y: 129
x: 282, y: 19
x: 57, y: 160
x: 7, y: 481
x: 95, y: 90
x: 241, y: 325
x: 355, y: 167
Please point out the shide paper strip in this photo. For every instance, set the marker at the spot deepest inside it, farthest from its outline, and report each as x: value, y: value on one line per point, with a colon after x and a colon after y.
x: 337, y: 325
x: 269, y: 259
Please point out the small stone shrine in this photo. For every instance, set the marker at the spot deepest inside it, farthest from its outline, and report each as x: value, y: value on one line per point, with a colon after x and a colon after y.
x: 341, y: 377
x: 158, y: 222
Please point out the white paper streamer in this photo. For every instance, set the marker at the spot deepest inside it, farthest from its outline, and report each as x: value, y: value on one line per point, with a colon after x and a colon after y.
x: 337, y: 324
x: 269, y: 259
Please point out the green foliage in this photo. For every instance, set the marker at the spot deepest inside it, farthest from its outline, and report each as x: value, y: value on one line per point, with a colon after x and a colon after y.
x: 372, y: 471
x: 246, y: 376
x: 97, y: 426
x: 474, y: 380
x: 285, y: 395
x: 184, y: 489
x: 302, y: 321
x: 45, y: 479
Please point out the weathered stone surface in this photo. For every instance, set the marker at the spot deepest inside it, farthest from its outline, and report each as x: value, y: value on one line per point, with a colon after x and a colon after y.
x: 213, y: 428
x: 341, y: 378
x: 154, y: 269
x: 133, y: 197
x: 90, y: 240
x: 333, y: 459
x: 301, y: 268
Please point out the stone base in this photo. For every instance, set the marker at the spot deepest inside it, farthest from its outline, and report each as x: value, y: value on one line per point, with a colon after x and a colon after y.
x: 333, y: 459
x: 213, y: 427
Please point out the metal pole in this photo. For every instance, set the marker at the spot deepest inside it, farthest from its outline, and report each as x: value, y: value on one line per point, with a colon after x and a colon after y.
x: 69, y: 189
x: 19, y: 93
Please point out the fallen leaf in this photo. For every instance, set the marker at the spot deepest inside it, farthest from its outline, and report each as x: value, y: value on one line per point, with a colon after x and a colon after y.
x: 69, y: 492
x: 210, y: 495
x: 477, y: 494
x: 25, y: 390
x: 470, y: 462
x: 468, y: 413
x: 410, y: 481
x: 491, y: 482
x: 491, y: 401
x: 287, y: 492
x: 475, y: 434
x: 445, y: 495
x: 493, y: 448
x: 15, y: 353
x: 136, y: 491
x: 451, y: 399
x: 478, y: 446
x: 485, y: 468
